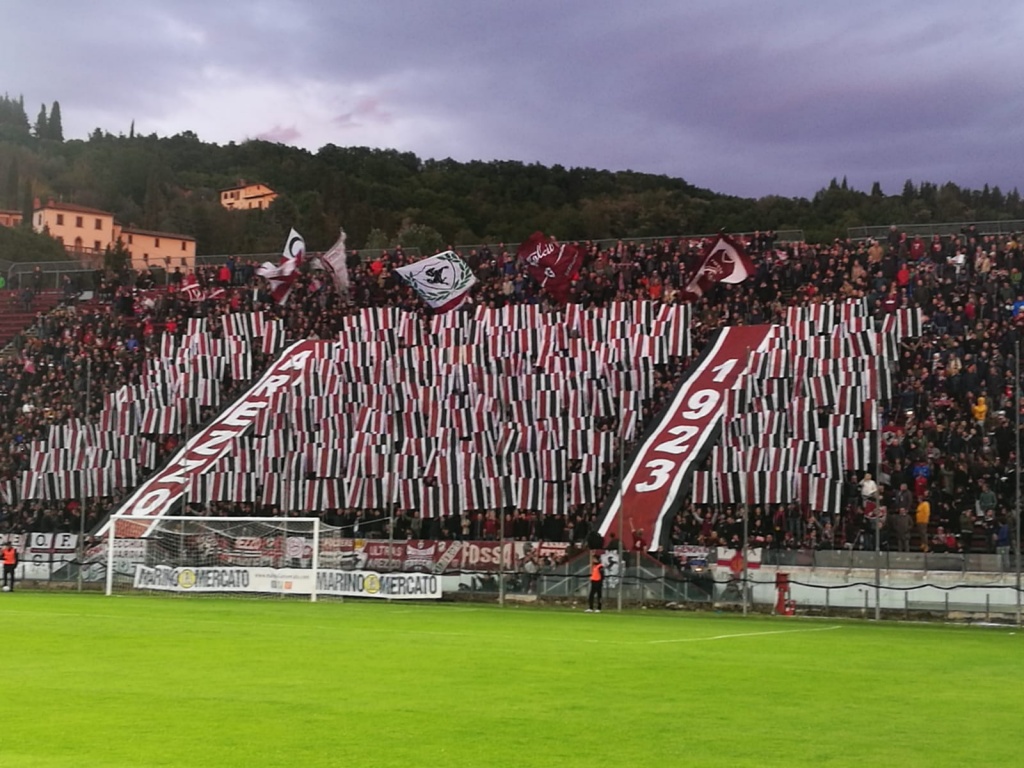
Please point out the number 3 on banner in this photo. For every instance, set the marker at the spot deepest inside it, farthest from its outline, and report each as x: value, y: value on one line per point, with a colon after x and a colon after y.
x: 661, y: 473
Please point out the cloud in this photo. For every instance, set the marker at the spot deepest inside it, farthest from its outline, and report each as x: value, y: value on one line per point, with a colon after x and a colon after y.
x: 368, y: 110
x: 739, y: 96
x: 281, y: 134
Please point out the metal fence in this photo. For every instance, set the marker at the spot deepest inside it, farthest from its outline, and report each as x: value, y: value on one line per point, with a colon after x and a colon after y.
x: 859, y: 584
x: 51, y: 275
x: 1008, y: 227
x: 365, y: 254
x: 369, y: 254
x: 83, y: 275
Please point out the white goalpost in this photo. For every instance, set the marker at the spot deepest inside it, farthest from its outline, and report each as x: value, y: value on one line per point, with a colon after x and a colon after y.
x: 214, y: 555
x: 249, y: 556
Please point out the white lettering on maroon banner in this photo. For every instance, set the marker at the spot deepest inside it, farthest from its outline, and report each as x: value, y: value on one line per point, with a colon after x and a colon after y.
x: 157, y: 496
x: 654, y: 478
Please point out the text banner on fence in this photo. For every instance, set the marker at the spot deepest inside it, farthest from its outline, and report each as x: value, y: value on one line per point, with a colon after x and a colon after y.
x: 396, y: 586
x: 295, y: 581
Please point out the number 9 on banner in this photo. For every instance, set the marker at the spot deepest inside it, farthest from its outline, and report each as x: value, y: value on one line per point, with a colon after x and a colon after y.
x: 701, y: 403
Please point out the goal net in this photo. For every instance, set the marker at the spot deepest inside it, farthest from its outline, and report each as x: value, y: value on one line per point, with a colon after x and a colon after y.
x: 214, y: 555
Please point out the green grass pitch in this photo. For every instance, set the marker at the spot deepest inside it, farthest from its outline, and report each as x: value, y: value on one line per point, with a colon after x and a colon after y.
x: 205, y: 682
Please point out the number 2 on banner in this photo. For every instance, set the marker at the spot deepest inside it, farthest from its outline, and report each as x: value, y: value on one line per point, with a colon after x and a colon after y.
x: 679, y: 444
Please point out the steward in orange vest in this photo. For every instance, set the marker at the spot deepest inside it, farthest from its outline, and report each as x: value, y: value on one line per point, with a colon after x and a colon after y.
x: 596, y: 584
x: 9, y: 557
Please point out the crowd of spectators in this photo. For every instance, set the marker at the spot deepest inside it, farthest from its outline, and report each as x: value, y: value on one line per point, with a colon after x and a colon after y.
x: 947, y: 476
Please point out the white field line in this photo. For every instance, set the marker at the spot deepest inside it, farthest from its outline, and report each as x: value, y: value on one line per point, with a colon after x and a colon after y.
x: 742, y: 634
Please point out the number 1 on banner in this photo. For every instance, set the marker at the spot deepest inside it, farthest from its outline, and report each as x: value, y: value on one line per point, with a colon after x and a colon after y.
x: 722, y: 371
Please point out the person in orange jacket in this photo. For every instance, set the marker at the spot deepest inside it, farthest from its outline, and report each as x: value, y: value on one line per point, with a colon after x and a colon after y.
x: 980, y: 412
x: 596, y: 584
x: 9, y: 558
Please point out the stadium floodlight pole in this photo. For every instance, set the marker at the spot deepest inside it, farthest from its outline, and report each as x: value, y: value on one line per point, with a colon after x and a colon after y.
x: 1016, y: 474
x: 81, y: 512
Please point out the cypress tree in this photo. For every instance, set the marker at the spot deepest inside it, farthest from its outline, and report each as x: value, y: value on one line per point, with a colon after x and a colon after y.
x: 42, y: 127
x: 56, y: 131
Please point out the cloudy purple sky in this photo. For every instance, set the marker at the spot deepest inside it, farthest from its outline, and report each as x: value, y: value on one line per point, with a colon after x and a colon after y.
x: 742, y: 96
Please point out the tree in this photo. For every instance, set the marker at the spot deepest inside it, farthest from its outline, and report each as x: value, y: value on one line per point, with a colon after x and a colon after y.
x: 42, y: 126
x: 909, y: 192
x: 131, y: 131
x: 413, y: 235
x: 153, y: 202
x: 27, y: 204
x: 20, y: 244
x: 56, y: 129
x: 117, y: 258
x: 10, y: 192
x: 377, y: 239
x: 13, y: 121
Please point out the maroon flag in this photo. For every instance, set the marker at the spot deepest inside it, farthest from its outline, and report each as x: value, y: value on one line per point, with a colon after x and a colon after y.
x: 282, y: 276
x: 724, y: 262
x: 192, y: 292
x: 551, y: 264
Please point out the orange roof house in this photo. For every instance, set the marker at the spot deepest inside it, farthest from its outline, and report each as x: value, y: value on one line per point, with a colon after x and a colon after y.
x: 247, y: 197
x: 88, y: 232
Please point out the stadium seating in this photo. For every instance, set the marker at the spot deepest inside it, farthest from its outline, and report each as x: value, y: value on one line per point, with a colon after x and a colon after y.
x: 938, y: 448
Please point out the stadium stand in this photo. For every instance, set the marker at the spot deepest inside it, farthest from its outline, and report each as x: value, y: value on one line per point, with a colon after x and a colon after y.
x: 158, y: 362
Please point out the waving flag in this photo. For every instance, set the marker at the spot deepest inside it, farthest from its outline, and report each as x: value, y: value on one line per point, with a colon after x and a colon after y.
x: 724, y: 262
x: 335, y: 261
x: 442, y: 281
x: 551, y: 264
x: 282, y: 277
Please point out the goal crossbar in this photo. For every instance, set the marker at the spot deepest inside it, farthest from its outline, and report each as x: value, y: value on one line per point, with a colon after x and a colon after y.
x: 156, y: 555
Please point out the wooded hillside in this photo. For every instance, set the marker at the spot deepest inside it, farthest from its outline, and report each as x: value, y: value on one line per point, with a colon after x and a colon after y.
x: 383, y: 197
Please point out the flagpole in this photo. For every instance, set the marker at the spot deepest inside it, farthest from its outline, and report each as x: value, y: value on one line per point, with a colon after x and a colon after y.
x: 746, y: 538
x: 1016, y: 402
x: 746, y: 508
x: 81, y: 512
x: 622, y: 512
x: 391, y: 536
x: 878, y: 513
x: 501, y: 555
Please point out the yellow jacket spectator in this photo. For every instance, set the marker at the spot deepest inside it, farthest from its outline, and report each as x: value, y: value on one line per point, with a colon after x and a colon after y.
x: 980, y: 410
x: 922, y: 518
